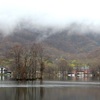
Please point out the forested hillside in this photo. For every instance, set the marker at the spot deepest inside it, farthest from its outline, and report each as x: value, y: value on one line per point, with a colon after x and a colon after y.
x: 56, y: 42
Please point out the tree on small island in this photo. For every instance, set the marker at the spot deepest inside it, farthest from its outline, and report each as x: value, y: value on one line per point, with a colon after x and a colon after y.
x: 27, y: 61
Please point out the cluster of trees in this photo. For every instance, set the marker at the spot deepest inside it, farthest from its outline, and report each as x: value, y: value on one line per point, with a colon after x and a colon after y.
x: 29, y: 62
x: 26, y: 60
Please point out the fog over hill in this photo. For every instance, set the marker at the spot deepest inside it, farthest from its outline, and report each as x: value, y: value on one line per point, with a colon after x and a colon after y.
x: 74, y: 39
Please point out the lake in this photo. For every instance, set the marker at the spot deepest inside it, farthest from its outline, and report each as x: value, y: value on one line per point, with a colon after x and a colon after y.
x: 50, y: 90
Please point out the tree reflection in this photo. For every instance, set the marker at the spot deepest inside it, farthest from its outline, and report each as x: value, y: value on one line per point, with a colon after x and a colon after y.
x: 21, y: 93
x: 29, y: 93
x: 41, y: 90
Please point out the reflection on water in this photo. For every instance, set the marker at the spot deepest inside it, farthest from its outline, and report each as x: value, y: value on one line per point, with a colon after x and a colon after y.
x: 22, y: 93
x: 41, y: 93
x: 5, y: 77
x: 41, y: 90
x: 61, y: 89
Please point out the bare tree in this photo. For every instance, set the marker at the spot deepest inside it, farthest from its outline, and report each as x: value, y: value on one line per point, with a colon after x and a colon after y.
x: 16, y: 53
x: 63, y: 66
x: 37, y: 56
x: 40, y: 59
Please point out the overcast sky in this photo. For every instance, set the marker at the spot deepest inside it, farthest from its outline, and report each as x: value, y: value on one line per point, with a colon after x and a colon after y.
x: 56, y: 12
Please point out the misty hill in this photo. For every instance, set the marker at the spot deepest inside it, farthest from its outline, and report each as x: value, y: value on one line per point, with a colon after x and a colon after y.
x: 74, y: 43
x: 56, y: 42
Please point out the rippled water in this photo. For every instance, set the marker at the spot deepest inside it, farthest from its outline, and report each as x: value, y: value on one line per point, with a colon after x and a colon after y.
x: 49, y: 90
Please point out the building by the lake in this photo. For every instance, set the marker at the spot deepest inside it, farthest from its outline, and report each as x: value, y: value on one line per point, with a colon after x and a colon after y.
x: 4, y: 70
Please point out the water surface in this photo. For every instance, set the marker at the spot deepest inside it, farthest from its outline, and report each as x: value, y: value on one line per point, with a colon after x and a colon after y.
x: 49, y: 90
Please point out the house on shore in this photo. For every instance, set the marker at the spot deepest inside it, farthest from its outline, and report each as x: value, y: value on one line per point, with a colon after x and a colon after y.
x: 4, y: 70
x: 83, y: 71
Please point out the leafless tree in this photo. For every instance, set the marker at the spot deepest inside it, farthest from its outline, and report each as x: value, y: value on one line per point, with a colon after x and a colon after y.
x: 16, y: 54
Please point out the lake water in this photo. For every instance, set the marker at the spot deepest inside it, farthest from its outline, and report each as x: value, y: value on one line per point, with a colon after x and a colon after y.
x: 50, y: 90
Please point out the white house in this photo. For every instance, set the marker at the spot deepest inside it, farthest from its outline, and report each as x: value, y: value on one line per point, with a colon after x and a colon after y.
x: 3, y: 70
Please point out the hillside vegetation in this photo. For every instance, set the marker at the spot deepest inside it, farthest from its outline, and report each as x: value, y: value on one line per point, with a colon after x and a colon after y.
x: 83, y: 47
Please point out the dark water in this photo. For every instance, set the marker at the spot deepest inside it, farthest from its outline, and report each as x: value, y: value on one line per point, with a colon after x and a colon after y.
x: 49, y: 90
